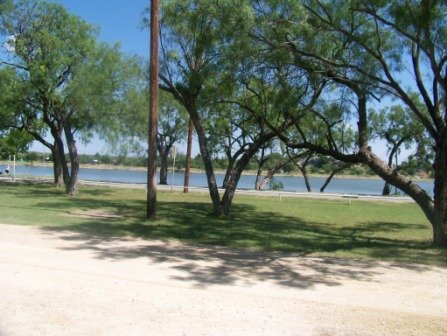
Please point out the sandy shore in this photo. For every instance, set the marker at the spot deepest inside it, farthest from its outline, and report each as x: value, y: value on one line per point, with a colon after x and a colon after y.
x: 64, y: 283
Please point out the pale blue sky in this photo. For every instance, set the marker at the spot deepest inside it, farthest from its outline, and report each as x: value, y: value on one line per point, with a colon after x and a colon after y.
x: 118, y: 21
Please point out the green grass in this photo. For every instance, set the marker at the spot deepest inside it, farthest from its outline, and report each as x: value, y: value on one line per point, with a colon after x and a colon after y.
x: 373, y: 230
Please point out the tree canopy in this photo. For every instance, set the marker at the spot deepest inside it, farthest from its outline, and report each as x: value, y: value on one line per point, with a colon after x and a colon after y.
x: 66, y: 83
x: 364, y: 51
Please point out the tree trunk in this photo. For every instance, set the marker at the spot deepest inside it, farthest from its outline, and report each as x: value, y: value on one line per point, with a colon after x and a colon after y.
x: 439, y: 230
x: 74, y: 160
x: 439, y: 221
x: 241, y: 164
x: 56, y: 129
x: 267, y: 178
x: 229, y: 172
x: 164, y: 165
x: 206, y: 157
x: 153, y: 113
x: 302, y: 168
x: 258, y: 176
x: 232, y: 159
x: 306, y: 178
x: 333, y: 173
x: 57, y: 167
x: 188, y: 157
x: 63, y: 161
x: 272, y: 172
x: 434, y: 209
x: 261, y: 162
x: 387, y: 188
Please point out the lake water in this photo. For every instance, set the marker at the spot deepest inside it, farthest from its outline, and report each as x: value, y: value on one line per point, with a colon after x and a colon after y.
x: 290, y: 183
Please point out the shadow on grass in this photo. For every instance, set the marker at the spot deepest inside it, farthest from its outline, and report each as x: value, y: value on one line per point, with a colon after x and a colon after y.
x: 264, y: 246
x: 45, y: 190
x: 204, y: 266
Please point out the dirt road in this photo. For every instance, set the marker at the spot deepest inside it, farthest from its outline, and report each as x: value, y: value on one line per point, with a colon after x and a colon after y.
x: 62, y: 283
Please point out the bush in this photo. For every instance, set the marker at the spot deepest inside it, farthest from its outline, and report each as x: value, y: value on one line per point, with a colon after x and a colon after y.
x: 276, y: 185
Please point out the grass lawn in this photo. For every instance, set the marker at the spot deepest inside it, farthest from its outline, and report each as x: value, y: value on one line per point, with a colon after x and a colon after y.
x: 378, y: 230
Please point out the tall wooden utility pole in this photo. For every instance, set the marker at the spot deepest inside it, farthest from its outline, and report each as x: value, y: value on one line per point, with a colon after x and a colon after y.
x: 153, y: 115
x: 188, y: 158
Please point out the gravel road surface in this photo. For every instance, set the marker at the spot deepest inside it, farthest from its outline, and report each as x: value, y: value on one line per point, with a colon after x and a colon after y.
x: 65, y: 283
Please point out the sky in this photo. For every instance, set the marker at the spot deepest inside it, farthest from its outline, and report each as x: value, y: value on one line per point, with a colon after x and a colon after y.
x: 118, y: 21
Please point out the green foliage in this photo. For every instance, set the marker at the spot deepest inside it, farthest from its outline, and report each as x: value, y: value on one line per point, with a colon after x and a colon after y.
x: 399, y: 128
x: 414, y: 165
x: 12, y: 140
x: 365, y: 53
x: 129, y: 131
x: 31, y: 157
x: 61, y: 72
x: 13, y: 143
x: 200, y: 58
x: 276, y: 185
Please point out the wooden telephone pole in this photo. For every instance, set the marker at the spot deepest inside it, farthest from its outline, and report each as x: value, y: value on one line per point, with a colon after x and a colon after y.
x: 153, y: 114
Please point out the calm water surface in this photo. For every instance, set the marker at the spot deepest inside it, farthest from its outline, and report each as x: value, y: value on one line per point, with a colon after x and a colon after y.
x: 290, y: 183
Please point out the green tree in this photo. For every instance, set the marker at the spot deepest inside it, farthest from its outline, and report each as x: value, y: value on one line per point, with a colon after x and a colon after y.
x: 171, y: 130
x: 13, y: 140
x: 21, y: 115
x: 215, y: 72
x: 190, y: 35
x: 399, y: 128
x: 197, y: 37
x: 68, y: 81
x: 364, y: 50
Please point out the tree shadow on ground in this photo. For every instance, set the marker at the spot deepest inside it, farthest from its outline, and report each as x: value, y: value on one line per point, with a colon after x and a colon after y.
x: 44, y: 189
x: 204, y: 266
x: 252, y: 245
x: 241, y: 248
